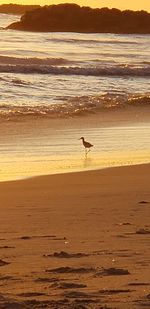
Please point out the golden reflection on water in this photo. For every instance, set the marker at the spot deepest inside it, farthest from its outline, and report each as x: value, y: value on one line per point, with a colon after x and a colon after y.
x: 87, y: 161
x: 24, y: 168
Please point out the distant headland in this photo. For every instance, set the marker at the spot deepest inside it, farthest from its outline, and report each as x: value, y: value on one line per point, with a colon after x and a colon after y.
x: 73, y: 18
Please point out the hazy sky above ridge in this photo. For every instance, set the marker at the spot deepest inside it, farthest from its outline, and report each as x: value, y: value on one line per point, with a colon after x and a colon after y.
x: 121, y: 4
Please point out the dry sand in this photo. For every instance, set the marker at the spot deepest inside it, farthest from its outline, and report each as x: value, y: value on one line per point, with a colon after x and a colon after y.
x: 78, y: 240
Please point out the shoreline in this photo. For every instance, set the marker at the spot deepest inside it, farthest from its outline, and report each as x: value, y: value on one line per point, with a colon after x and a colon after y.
x: 61, y: 235
x: 72, y: 172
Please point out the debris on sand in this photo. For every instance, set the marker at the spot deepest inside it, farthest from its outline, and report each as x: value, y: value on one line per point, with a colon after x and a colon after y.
x: 3, y: 263
x: 138, y: 283
x: 143, y: 231
x: 7, y: 247
x: 63, y: 270
x: 112, y: 271
x: 113, y: 291
x: 76, y: 294
x: 143, y: 202
x: 66, y: 255
x: 31, y: 294
x: 69, y: 285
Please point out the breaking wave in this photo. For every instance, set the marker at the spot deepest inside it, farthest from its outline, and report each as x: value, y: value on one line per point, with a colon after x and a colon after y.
x: 118, y: 70
x: 62, y: 66
x: 90, y: 41
x: 76, y: 106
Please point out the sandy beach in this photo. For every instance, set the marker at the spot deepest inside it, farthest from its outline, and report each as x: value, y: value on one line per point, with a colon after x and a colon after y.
x: 74, y: 226
x: 76, y: 240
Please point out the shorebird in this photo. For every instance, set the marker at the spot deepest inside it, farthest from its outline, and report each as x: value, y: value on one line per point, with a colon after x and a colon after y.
x: 87, y: 145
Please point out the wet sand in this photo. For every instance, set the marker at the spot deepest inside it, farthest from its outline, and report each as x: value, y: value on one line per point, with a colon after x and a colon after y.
x: 77, y: 240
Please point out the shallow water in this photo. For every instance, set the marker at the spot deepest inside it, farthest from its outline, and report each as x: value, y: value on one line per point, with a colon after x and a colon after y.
x: 46, y: 150
x: 59, y: 74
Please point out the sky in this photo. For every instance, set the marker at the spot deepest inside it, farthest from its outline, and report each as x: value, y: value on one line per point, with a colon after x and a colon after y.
x: 121, y: 4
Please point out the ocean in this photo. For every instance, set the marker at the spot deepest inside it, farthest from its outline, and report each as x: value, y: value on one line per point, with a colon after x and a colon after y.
x: 63, y: 79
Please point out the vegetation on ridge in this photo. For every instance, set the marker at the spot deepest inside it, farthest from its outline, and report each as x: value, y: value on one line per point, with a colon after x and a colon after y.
x: 16, y: 9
